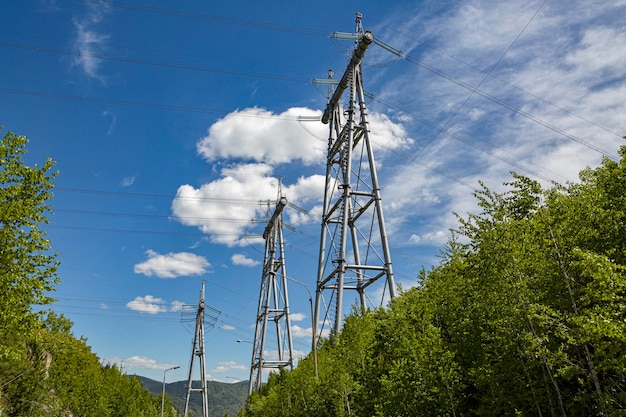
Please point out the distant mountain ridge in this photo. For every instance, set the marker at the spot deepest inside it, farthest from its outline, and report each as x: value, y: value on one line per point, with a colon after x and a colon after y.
x: 224, y: 399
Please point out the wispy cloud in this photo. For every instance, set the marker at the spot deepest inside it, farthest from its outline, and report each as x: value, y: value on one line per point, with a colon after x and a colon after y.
x: 113, y: 120
x: 128, y: 181
x: 552, y: 106
x: 172, y: 265
x: 89, y: 41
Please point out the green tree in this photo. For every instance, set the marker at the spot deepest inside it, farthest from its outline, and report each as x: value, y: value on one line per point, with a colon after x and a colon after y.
x: 27, y: 265
x: 75, y: 375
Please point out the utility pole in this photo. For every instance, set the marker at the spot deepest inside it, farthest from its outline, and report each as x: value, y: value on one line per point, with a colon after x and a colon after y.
x: 199, y: 353
x: 354, y: 249
x: 273, y: 301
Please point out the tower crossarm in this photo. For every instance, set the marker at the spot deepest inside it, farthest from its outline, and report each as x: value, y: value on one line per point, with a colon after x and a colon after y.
x: 357, y: 55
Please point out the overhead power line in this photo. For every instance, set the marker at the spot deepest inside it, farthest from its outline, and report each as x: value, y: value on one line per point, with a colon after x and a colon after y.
x: 210, y: 18
x: 169, y: 107
x: 491, y: 75
x: 115, y: 101
x: 473, y: 90
x: 153, y: 63
x: 156, y: 196
x: 476, y: 90
x: 153, y: 216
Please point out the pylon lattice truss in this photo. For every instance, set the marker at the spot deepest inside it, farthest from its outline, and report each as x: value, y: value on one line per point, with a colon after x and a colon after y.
x: 354, y: 250
x: 198, y: 352
x: 273, y: 308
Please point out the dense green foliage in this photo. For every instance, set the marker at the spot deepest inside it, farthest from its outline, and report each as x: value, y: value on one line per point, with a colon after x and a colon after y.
x: 44, y: 369
x: 27, y: 267
x: 525, y: 315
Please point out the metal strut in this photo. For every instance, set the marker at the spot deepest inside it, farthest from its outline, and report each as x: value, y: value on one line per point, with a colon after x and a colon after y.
x: 354, y: 249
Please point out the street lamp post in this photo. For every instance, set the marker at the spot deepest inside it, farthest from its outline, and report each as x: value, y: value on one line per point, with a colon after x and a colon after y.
x: 313, y: 327
x: 163, y: 393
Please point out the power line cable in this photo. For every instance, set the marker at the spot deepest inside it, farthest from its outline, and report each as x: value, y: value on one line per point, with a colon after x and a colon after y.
x: 485, y: 77
x: 514, y: 109
x: 210, y: 18
x: 156, y: 196
x: 473, y: 90
x: 137, y: 231
x: 197, y: 68
x: 458, y: 137
x: 171, y: 107
x: 429, y: 46
x: 154, y: 216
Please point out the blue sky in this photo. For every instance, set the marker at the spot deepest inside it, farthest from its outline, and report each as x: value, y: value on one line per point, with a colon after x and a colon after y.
x: 171, y: 121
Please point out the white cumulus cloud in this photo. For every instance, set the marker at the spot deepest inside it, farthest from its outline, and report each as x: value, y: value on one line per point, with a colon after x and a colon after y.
x: 225, y: 209
x: 148, y: 304
x: 256, y: 134
x: 243, y: 260
x: 297, y: 331
x: 172, y: 265
x: 153, y: 305
x: 226, y: 219
x: 137, y: 362
x: 436, y: 237
x: 297, y: 316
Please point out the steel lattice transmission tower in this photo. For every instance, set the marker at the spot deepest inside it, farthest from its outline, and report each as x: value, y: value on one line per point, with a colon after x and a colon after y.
x: 273, y: 302
x: 354, y: 250
x: 199, y: 353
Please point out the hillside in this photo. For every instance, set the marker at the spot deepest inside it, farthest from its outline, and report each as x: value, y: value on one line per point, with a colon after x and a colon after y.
x: 224, y: 399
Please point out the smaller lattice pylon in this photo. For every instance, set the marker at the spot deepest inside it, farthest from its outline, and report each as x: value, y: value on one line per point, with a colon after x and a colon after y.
x: 198, y: 354
x: 273, y: 303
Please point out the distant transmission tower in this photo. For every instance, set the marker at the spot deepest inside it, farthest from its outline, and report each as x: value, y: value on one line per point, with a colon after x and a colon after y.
x: 273, y: 302
x: 199, y: 353
x: 354, y: 250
